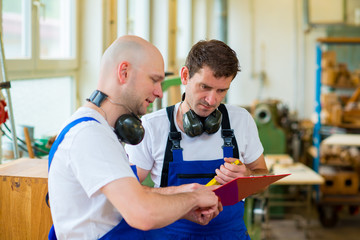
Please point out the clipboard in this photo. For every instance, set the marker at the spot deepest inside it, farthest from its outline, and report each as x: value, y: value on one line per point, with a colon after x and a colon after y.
x: 242, y: 187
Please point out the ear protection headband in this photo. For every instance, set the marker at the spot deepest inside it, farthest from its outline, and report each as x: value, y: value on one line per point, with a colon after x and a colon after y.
x: 128, y: 127
x: 194, y: 126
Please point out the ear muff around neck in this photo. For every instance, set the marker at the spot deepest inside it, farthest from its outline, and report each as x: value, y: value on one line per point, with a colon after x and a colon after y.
x: 212, y: 122
x: 193, y: 126
x: 129, y: 130
x: 128, y: 127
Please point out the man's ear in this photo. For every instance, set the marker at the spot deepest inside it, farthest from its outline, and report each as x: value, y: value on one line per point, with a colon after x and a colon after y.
x: 123, y: 71
x: 184, y: 75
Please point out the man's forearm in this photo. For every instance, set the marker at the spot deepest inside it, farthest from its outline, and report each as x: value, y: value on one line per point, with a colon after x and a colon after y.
x: 162, y: 190
x: 261, y: 171
x: 173, y: 189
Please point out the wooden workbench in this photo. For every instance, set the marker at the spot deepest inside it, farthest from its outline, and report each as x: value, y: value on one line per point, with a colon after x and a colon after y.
x: 301, y: 176
x: 300, y: 173
x: 23, y: 211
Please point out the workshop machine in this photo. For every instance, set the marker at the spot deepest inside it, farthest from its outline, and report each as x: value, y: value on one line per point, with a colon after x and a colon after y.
x: 272, y: 136
x: 267, y: 115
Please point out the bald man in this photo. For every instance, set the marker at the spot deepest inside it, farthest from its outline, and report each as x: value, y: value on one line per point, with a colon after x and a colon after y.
x: 93, y: 192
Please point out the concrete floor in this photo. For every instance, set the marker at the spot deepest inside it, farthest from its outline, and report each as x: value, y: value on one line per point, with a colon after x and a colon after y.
x: 293, y: 228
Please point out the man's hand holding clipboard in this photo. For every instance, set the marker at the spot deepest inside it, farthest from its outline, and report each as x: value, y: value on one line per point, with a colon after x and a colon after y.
x: 214, y: 182
x: 242, y: 187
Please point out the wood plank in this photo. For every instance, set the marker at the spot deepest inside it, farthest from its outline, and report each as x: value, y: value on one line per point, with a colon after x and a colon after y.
x: 28, y: 143
x: 343, y: 140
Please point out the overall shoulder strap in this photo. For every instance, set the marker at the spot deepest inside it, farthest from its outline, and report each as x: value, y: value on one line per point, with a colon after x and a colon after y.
x: 170, y: 113
x: 62, y: 134
x: 173, y: 143
x: 228, y: 134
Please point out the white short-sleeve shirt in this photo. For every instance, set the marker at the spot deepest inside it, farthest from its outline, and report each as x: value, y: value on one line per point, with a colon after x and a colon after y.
x: 89, y: 157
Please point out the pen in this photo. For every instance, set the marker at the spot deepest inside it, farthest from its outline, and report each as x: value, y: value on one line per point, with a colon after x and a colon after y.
x: 214, y: 182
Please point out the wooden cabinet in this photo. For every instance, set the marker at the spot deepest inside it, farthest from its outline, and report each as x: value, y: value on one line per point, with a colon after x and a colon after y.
x: 23, y: 211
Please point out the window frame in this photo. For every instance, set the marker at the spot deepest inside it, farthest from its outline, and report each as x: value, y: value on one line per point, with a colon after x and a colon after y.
x: 34, y: 65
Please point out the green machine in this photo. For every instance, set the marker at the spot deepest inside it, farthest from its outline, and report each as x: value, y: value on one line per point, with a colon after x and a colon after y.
x: 273, y: 137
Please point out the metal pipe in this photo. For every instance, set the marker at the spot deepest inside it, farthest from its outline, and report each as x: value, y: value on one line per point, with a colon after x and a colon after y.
x: 11, y: 114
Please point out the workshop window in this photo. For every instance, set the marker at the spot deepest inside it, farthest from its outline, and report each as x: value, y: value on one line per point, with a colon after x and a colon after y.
x: 134, y: 18
x: 56, y: 30
x: 16, y: 22
x: 40, y: 35
x: 40, y: 43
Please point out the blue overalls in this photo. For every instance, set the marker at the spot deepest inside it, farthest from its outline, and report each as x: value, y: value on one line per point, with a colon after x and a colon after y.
x: 120, y: 231
x: 229, y: 223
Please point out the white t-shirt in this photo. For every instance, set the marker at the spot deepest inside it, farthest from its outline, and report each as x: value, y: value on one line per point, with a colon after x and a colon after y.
x: 149, y: 154
x: 89, y: 157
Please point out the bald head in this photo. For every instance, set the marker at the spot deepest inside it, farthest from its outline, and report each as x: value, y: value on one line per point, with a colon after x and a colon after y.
x: 135, y: 51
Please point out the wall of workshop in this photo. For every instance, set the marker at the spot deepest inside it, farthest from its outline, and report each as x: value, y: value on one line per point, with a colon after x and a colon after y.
x: 263, y: 33
x: 268, y: 37
x: 276, y: 50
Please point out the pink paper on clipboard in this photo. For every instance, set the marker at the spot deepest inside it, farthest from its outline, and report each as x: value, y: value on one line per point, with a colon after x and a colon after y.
x: 242, y: 187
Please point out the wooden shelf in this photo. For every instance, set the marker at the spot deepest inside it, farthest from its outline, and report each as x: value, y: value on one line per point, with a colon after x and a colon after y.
x: 341, y: 199
x: 338, y: 164
x: 339, y: 40
x: 343, y: 125
x: 340, y: 86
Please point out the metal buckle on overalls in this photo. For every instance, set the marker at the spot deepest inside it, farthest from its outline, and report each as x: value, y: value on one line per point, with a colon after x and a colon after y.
x: 175, y: 137
x: 227, y: 135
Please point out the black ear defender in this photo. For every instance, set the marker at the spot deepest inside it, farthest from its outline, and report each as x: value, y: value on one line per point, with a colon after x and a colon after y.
x: 194, y: 126
x: 212, y: 122
x: 128, y: 127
